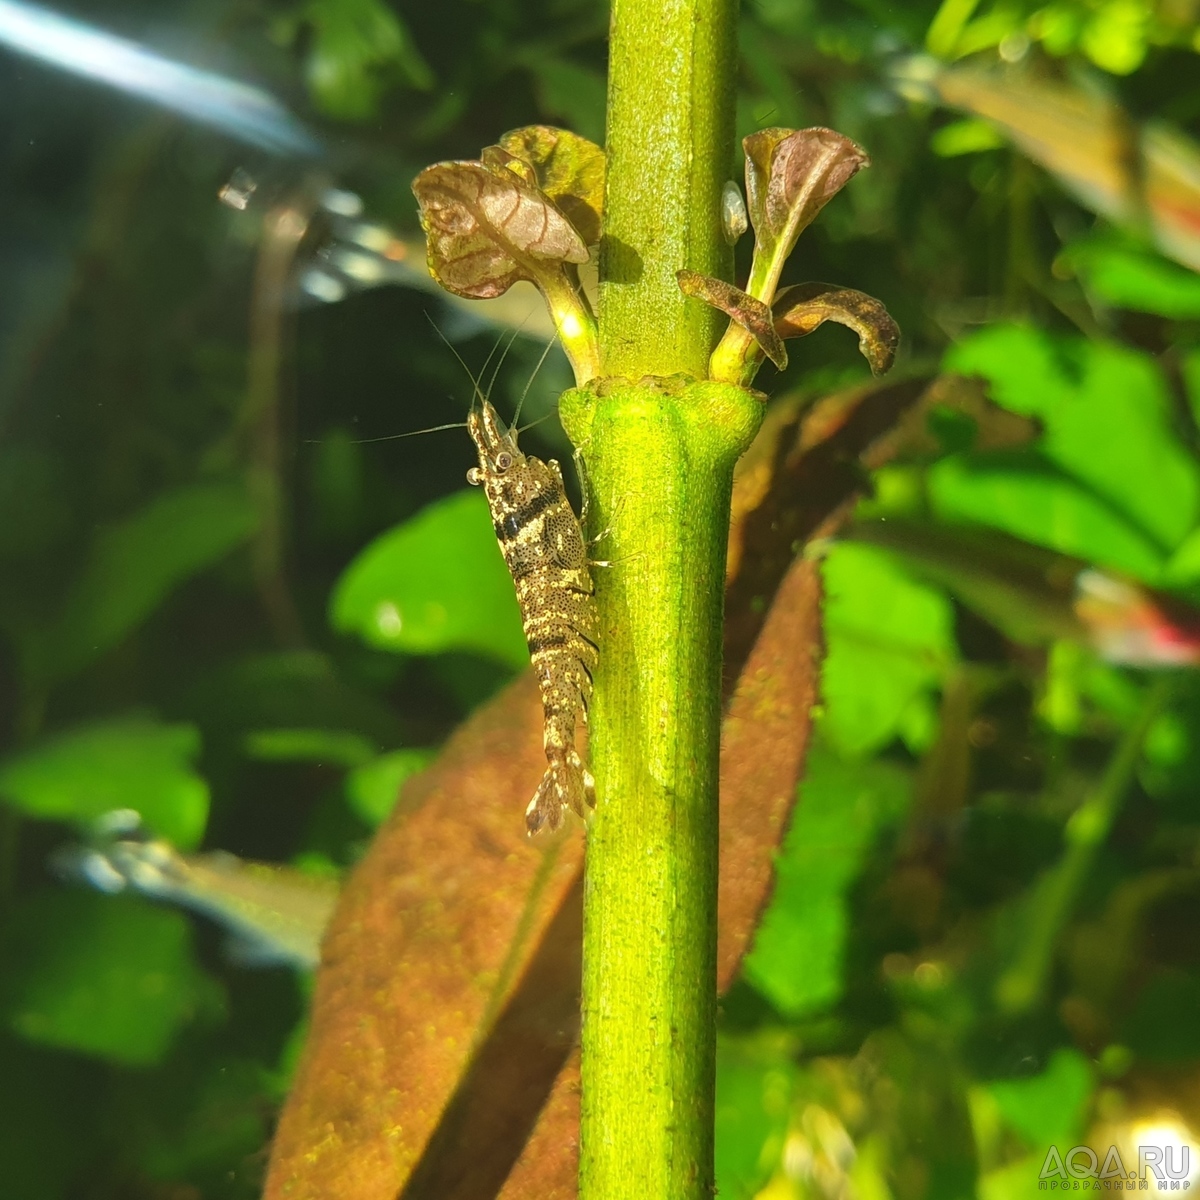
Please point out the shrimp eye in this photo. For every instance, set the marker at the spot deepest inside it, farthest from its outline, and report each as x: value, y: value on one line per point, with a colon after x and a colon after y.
x: 503, y: 460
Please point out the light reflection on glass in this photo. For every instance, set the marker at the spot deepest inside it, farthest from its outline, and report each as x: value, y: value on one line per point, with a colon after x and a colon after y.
x: 244, y: 112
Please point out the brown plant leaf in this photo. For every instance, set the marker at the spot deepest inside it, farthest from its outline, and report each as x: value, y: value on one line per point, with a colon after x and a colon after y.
x: 549, y: 1162
x: 568, y: 168
x: 752, y: 315
x: 790, y: 176
x: 435, y: 925
x: 764, y: 738
x: 801, y: 309
x: 806, y: 468
x: 486, y: 227
x: 478, y: 1139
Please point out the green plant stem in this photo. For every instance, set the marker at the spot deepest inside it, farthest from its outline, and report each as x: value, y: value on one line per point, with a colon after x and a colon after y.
x: 660, y: 463
x: 659, y: 448
x: 1054, y: 899
x: 670, y: 151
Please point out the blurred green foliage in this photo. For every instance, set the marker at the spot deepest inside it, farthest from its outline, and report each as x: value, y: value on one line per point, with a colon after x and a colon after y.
x: 88, y: 771
x: 111, y: 977
x: 405, y: 593
x: 249, y: 616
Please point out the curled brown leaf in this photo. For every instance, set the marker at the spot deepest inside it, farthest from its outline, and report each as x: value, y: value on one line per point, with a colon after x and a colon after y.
x: 487, y: 227
x: 752, y: 315
x: 801, y: 309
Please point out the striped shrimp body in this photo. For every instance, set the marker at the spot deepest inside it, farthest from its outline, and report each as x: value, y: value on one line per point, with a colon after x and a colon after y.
x: 544, y: 549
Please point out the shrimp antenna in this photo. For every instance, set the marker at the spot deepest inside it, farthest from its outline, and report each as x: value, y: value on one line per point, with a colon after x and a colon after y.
x: 500, y: 362
x: 520, y: 403
x: 461, y: 361
x: 536, y: 422
x: 391, y: 437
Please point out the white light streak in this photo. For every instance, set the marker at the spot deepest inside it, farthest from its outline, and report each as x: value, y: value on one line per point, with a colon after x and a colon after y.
x: 236, y: 108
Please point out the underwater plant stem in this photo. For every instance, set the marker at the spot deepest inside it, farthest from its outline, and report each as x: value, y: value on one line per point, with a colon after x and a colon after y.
x: 669, y: 152
x: 1054, y: 899
x: 659, y: 445
x: 660, y: 461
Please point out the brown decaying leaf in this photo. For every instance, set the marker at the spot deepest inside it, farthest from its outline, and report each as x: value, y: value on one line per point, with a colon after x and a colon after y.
x: 425, y: 1070
x: 487, y: 227
x: 801, y: 309
x: 752, y: 315
x: 568, y: 168
x: 790, y: 176
x: 447, y: 907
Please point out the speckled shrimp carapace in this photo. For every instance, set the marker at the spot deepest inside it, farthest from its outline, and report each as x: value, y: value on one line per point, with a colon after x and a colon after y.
x: 544, y: 548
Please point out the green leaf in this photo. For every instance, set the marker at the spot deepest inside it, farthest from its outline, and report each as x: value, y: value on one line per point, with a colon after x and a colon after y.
x: 1039, y: 504
x: 132, y: 763
x: 798, y: 953
x: 291, y: 689
x: 373, y: 788
x: 1115, y: 36
x: 1184, y: 567
x: 109, y: 976
x: 1106, y: 412
x: 135, y: 565
x: 754, y: 1095
x: 965, y: 137
x: 201, y: 1125
x: 1190, y: 370
x: 1139, y: 280
x: 47, y: 1120
x: 34, y: 513
x: 437, y: 582
x: 1016, y: 1181
x: 888, y: 638
x: 1047, y: 1109
x: 329, y: 747
x: 354, y: 44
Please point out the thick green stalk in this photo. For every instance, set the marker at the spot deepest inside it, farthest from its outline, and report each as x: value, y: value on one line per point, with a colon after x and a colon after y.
x: 660, y: 463
x: 659, y: 449
x: 669, y: 147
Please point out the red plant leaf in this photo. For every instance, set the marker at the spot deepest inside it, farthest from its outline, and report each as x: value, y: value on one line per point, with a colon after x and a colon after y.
x: 790, y: 176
